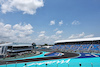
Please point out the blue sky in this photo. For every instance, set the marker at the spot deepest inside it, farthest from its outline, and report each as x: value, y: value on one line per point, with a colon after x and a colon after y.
x: 45, y: 21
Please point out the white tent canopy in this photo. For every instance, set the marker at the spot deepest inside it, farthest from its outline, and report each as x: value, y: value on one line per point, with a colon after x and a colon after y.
x: 79, y: 40
x: 47, y: 46
x: 14, y: 45
x: 18, y: 45
x: 6, y: 44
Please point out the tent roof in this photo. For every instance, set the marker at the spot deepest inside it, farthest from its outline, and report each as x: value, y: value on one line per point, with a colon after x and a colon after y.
x: 78, y: 40
x: 15, y: 45
x: 18, y: 45
x: 6, y: 44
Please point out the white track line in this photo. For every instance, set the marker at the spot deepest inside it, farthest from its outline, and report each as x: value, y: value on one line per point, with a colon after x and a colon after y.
x: 95, y: 55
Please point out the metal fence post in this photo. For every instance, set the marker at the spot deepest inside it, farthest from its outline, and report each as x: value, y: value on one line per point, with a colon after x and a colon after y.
x: 36, y: 64
x: 25, y: 64
x: 46, y: 64
x: 57, y: 64
x: 6, y: 64
x: 16, y: 64
x: 80, y: 64
x: 68, y: 64
x: 91, y: 65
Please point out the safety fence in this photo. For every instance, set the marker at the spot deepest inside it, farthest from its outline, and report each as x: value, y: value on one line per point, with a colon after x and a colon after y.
x: 52, y: 65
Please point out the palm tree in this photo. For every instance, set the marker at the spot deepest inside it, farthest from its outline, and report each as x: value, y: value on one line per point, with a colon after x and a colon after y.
x: 33, y: 46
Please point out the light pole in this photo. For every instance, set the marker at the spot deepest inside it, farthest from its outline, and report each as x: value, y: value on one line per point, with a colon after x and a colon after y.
x: 25, y: 64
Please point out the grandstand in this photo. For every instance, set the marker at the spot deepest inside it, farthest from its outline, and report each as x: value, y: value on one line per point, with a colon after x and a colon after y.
x: 78, y: 45
x: 64, y: 53
x: 14, y: 49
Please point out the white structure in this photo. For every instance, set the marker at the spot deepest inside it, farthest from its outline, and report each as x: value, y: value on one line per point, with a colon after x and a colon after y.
x: 80, y: 40
x: 47, y: 46
x: 13, y: 47
x: 3, y: 48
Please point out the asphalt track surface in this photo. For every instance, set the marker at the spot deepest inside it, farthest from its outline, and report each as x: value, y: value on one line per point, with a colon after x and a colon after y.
x: 66, y: 55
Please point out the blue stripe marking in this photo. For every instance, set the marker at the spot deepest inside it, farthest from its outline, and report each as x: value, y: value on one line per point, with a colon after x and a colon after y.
x: 88, y: 55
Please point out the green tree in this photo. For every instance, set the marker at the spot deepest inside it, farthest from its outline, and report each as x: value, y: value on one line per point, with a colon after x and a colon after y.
x: 45, y: 44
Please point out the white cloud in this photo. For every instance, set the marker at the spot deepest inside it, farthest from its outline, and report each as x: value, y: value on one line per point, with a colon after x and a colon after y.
x: 42, y: 32
x: 24, y: 27
x: 82, y: 35
x: 7, y: 26
x: 43, y: 38
x: 16, y: 33
x: 26, y: 6
x: 89, y: 36
x: 59, y: 32
x: 47, y: 39
x: 60, y: 23
x: 75, y: 22
x: 55, y: 29
x: 41, y: 35
x: 52, y: 22
x: 77, y: 35
x: 55, y: 37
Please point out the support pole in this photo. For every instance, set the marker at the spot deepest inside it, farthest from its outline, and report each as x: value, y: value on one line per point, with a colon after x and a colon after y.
x: 91, y: 65
x: 80, y: 64
x: 16, y: 64
x: 6, y: 64
x: 36, y: 64
x: 68, y: 64
x: 46, y: 64
x: 25, y: 64
x: 57, y: 64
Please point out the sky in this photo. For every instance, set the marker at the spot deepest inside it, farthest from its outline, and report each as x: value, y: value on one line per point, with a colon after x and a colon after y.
x: 46, y: 21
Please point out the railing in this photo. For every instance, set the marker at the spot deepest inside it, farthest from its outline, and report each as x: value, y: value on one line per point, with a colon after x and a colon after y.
x: 52, y: 65
x: 22, y: 56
